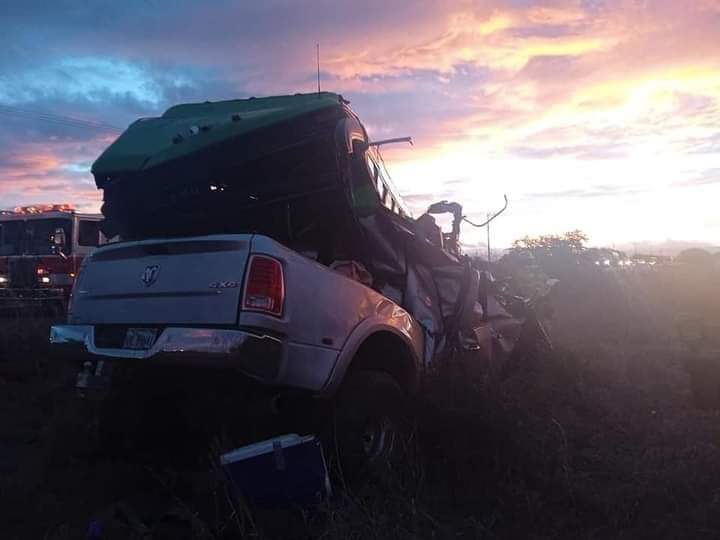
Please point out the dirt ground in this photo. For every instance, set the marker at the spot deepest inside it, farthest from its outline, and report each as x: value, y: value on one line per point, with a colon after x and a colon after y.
x: 617, y: 435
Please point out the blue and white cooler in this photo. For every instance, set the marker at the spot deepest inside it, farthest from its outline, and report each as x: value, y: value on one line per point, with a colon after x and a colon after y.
x: 288, y: 469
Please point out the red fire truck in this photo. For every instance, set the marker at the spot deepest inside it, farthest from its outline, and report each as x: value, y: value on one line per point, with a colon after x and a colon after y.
x: 41, y: 248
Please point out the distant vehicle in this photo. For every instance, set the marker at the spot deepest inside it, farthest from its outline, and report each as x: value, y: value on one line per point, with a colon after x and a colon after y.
x: 41, y: 250
x: 263, y: 237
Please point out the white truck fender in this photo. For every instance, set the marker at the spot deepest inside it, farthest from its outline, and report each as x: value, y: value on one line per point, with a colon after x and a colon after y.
x: 401, y: 325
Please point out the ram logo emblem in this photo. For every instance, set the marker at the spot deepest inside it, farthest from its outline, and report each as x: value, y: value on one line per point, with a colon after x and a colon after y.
x: 150, y: 275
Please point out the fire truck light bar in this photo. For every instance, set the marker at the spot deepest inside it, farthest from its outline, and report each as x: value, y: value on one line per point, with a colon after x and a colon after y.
x: 41, y: 209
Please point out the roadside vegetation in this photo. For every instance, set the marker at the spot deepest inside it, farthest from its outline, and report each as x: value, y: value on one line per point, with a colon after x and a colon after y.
x: 614, y: 435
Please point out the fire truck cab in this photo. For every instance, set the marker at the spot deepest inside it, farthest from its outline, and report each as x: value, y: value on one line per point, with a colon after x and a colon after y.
x: 41, y: 249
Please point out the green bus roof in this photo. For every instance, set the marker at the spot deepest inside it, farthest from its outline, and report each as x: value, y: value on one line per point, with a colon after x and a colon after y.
x: 188, y: 128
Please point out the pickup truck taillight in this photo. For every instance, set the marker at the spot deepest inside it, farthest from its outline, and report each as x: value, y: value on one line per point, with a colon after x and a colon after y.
x: 264, y: 287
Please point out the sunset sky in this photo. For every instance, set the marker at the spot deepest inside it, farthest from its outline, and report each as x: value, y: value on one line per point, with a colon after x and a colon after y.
x: 598, y: 115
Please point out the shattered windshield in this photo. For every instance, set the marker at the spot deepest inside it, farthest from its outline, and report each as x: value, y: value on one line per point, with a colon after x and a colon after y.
x: 33, y: 236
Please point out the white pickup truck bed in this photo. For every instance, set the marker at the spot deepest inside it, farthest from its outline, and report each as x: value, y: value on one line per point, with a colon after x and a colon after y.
x: 181, y: 300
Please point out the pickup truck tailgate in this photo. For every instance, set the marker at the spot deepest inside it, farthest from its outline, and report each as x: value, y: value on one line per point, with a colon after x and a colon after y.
x: 166, y: 281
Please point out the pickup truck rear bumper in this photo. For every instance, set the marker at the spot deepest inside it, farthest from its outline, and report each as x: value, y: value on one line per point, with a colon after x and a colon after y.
x: 257, y: 355
x: 268, y: 359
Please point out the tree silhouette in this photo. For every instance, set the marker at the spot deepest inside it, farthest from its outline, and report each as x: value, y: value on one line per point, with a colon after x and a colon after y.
x: 553, y: 253
x: 572, y: 242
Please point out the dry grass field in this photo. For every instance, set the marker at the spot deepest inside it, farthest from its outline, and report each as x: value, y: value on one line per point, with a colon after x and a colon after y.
x: 617, y: 435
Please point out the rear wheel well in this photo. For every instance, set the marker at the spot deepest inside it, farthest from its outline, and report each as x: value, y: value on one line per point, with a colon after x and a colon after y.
x: 385, y: 351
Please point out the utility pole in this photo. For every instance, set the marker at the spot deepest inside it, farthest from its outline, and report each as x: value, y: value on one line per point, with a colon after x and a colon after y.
x: 488, y: 238
x: 317, y: 57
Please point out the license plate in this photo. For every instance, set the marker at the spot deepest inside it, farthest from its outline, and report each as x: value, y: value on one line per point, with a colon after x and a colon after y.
x: 140, y: 338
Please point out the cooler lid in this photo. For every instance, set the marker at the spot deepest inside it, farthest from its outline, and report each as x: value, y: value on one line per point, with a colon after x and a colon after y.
x: 264, y: 447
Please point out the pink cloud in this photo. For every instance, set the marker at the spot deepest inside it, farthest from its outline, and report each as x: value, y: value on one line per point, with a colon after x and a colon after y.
x: 575, y: 80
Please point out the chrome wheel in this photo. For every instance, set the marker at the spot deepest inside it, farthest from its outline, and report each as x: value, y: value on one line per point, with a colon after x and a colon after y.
x: 379, y: 440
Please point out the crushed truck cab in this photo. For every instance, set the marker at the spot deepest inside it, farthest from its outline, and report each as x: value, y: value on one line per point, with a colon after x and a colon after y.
x: 244, y: 227
x: 264, y: 237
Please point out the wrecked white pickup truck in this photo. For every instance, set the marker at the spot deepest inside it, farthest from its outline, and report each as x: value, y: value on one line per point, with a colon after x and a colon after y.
x: 263, y: 238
